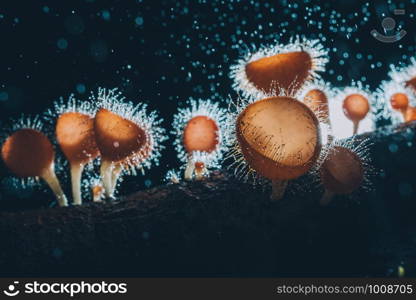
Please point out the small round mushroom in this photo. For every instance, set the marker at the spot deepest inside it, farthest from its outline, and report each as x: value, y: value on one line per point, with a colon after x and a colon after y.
x: 400, y: 102
x: 341, y: 173
x: 200, y: 135
x: 356, y: 108
x: 29, y: 153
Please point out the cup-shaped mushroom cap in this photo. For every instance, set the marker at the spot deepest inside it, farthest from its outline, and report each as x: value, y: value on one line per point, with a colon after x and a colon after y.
x: 410, y: 114
x: 411, y: 83
x: 28, y: 153
x: 343, y: 171
x: 279, y: 137
x: 75, y: 135
x: 286, y: 70
x: 399, y: 101
x: 356, y: 107
x: 317, y: 101
x: 118, y: 138
x: 200, y: 134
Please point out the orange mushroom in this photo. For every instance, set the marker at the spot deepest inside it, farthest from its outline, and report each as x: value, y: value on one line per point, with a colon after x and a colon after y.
x: 317, y: 101
x: 356, y: 108
x: 279, y: 68
x: 279, y: 138
x: 127, y: 136
x: 288, y: 71
x: 29, y: 153
x: 400, y: 102
x: 200, y: 135
x: 341, y: 173
x: 75, y: 135
x: 120, y: 141
x: 410, y: 114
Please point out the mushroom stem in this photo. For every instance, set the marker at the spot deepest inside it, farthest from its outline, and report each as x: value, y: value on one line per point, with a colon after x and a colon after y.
x: 403, y: 112
x: 278, y: 189
x: 50, y: 177
x: 189, y: 171
x: 200, y: 170
x: 326, y: 198
x: 115, y: 176
x: 76, y: 174
x: 355, y: 127
x: 106, y: 172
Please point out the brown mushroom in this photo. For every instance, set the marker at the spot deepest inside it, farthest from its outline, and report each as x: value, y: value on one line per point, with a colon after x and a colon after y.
x: 120, y: 141
x: 356, y: 108
x: 288, y: 71
x: 29, y: 153
x: 341, y: 173
x: 75, y: 135
x: 279, y: 138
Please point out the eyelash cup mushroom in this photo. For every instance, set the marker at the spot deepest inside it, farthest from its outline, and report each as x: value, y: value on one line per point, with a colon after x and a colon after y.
x: 28, y: 153
x: 75, y: 135
x: 201, y: 137
x: 345, y: 169
x: 127, y: 136
x: 279, y: 137
x: 281, y: 67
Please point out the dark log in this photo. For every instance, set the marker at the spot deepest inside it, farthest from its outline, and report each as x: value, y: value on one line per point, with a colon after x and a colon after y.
x: 221, y: 226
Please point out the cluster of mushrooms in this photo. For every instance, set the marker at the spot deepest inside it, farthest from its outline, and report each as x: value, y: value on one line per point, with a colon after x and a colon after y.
x: 286, y: 123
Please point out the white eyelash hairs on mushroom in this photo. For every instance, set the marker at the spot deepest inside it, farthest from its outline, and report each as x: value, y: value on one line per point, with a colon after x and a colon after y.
x: 127, y: 136
x: 395, y: 102
x: 287, y: 67
x: 405, y: 75
x: 277, y: 138
x: 347, y: 169
x: 28, y: 153
x: 201, y: 136
x: 74, y: 129
x: 316, y: 95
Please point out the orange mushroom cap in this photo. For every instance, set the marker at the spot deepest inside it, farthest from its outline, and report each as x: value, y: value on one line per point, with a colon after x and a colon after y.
x: 279, y: 137
x: 317, y: 101
x: 119, y: 139
x: 356, y: 107
x: 201, y: 134
x: 287, y: 70
x: 76, y: 137
x: 28, y: 153
x: 399, y: 101
x: 343, y: 171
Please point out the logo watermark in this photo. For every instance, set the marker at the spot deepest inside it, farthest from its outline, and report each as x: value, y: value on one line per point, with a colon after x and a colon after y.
x: 389, y: 25
x: 12, y: 290
x: 70, y: 288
